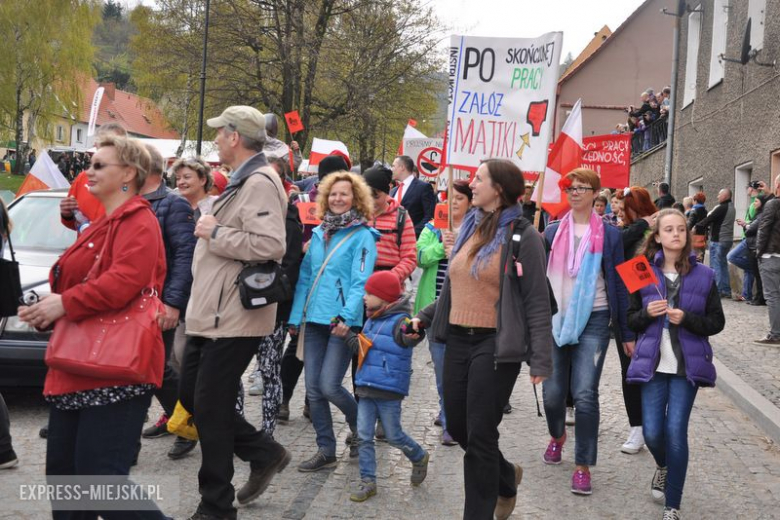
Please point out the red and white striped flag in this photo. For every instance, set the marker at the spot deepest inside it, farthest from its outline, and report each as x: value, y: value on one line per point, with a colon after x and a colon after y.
x: 321, y: 148
x: 44, y: 175
x: 566, y: 155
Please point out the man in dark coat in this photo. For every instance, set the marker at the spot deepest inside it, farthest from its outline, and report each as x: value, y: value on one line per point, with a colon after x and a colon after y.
x: 414, y: 195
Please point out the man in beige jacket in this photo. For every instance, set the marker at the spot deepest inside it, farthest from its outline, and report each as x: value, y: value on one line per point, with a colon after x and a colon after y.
x: 246, y: 224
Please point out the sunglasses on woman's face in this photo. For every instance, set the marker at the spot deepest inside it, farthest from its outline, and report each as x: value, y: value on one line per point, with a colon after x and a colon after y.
x: 97, y: 166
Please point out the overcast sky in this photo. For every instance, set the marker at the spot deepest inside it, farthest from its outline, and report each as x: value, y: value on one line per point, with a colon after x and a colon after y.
x: 578, y: 19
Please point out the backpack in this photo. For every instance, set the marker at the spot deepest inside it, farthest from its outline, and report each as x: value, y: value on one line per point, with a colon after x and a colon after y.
x: 400, y: 222
x: 518, y: 227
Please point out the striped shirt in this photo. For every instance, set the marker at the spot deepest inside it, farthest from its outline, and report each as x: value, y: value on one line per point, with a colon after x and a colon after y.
x: 403, y: 260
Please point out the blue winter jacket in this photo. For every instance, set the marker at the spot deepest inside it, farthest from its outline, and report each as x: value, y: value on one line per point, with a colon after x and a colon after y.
x: 178, y: 232
x: 617, y: 295
x: 387, y: 365
x: 340, y: 290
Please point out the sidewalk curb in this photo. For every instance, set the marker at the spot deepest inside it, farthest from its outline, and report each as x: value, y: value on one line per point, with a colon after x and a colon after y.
x: 752, y: 403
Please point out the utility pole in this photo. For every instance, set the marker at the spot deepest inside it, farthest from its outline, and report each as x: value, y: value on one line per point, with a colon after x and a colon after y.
x: 673, y: 98
x: 203, y: 81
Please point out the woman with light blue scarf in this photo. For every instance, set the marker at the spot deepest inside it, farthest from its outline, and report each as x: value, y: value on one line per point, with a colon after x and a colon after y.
x: 581, y: 269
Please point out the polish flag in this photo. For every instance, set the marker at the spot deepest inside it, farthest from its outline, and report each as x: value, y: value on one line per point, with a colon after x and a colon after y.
x: 321, y: 148
x: 44, y: 175
x: 566, y: 155
x: 410, y: 133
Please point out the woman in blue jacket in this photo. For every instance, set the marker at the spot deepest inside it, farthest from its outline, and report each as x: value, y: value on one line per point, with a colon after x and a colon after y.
x: 329, y: 301
x: 673, y: 356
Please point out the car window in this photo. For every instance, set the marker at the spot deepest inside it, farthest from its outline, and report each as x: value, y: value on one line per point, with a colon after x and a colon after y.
x: 37, y: 224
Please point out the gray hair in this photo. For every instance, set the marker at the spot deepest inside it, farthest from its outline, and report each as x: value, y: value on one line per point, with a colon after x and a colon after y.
x: 156, y: 167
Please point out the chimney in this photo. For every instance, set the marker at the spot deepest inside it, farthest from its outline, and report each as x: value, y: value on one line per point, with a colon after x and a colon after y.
x: 110, y: 89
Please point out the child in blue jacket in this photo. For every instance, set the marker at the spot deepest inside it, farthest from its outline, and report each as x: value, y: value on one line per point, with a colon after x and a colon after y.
x: 382, y: 379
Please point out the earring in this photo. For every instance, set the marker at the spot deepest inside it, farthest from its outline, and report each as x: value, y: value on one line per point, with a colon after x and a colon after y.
x: 124, y: 187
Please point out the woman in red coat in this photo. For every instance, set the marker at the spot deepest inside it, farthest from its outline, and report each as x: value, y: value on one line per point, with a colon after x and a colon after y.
x: 94, y: 423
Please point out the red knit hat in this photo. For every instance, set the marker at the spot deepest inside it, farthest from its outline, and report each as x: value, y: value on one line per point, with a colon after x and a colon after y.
x: 384, y: 285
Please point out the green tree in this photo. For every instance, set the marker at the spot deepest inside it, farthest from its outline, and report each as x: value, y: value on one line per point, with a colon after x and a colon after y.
x: 46, y: 50
x: 111, y: 38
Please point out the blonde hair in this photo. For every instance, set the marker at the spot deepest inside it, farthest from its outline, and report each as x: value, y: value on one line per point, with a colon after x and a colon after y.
x: 362, y: 200
x: 130, y: 152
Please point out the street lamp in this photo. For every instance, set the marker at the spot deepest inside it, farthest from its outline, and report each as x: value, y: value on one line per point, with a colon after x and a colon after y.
x: 203, y: 81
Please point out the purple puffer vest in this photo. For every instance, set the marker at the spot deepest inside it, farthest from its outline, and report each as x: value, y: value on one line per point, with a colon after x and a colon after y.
x: 696, y: 350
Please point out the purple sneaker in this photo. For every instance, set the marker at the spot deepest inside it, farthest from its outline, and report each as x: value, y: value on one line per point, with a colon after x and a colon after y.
x: 580, y: 483
x: 553, y: 453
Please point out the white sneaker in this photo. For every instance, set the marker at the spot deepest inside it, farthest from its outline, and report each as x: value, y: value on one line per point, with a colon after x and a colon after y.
x: 570, y: 416
x: 257, y: 387
x: 635, y: 442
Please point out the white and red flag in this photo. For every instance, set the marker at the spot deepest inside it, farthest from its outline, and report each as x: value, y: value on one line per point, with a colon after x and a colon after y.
x: 321, y: 148
x: 410, y: 133
x: 566, y: 155
x: 44, y: 175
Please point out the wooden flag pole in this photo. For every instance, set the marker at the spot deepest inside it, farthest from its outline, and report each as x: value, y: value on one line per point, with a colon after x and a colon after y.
x: 450, y: 181
x: 539, y: 199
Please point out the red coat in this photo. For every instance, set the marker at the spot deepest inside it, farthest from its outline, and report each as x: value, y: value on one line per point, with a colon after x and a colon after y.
x: 134, y: 260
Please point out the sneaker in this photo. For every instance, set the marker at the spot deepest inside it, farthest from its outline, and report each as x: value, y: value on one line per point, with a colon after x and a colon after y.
x: 181, y: 447
x: 580, y: 483
x: 317, y: 462
x: 306, y: 412
x: 769, y: 340
x: 252, y: 377
x: 570, y: 419
x: 256, y: 388
x: 635, y: 442
x: 43, y: 432
x: 757, y: 303
x: 505, y: 505
x: 507, y: 409
x: 420, y: 470
x: 260, y: 478
x: 354, y: 443
x: 363, y: 490
x: 284, y: 412
x: 553, y: 453
x: 447, y: 440
x: 160, y: 429
x: 380, y: 432
x: 671, y: 513
x: 658, y: 485
x: 8, y: 459
x: 437, y: 421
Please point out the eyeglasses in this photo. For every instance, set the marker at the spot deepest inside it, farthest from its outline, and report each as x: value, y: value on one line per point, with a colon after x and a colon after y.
x: 97, y: 166
x: 580, y: 190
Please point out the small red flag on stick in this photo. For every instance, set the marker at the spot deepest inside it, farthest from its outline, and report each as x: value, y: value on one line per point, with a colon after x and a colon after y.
x: 294, y: 123
x: 637, y: 273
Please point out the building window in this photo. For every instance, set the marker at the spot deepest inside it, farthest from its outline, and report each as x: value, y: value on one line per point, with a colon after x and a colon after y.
x: 692, y: 56
x: 60, y: 133
x: 79, y: 135
x: 756, y: 10
x: 695, y: 186
x: 720, y: 20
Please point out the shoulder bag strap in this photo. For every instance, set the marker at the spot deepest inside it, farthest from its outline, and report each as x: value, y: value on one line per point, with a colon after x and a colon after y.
x: 322, y: 270
x: 10, y: 246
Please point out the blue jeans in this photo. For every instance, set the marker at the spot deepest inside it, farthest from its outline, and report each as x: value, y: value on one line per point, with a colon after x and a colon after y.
x: 667, y: 401
x: 97, y: 440
x: 586, y: 360
x: 437, y: 356
x: 388, y: 411
x: 739, y: 257
x: 718, y: 254
x: 325, y: 360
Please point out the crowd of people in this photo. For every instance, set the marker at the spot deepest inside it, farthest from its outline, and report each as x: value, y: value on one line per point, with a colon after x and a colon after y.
x: 493, y: 293
x: 641, y: 122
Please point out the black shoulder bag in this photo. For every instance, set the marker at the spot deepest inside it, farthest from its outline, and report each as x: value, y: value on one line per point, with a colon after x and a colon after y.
x: 10, y: 281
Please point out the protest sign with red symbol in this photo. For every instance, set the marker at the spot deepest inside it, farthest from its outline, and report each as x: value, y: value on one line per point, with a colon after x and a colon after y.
x: 294, y: 123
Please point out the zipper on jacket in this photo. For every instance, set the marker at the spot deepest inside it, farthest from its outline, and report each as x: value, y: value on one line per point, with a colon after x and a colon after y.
x: 363, y: 260
x: 219, y: 307
x: 341, y: 292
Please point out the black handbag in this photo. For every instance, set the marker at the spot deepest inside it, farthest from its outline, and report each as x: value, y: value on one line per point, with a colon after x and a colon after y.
x: 10, y: 281
x: 262, y: 284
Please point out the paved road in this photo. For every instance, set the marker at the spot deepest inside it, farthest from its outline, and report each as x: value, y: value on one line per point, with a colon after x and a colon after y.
x: 734, y: 470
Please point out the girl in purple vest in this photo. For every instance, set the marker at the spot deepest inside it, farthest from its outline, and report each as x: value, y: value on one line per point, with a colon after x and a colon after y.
x: 673, y: 356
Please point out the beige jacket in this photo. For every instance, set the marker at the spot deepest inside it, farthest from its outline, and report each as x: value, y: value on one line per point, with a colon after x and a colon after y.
x: 251, y: 229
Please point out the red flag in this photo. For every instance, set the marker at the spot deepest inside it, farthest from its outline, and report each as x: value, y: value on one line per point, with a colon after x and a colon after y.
x: 441, y: 216
x: 636, y: 273
x: 412, y: 122
x: 308, y: 213
x: 294, y: 123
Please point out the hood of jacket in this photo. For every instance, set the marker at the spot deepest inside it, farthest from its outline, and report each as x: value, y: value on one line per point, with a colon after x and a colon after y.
x: 401, y: 306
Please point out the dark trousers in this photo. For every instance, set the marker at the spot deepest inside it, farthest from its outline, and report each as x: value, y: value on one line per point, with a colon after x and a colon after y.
x: 475, y: 393
x: 210, y: 376
x: 291, y: 369
x: 5, y: 427
x: 758, y: 296
x: 632, y: 394
x: 168, y: 393
x: 98, y: 440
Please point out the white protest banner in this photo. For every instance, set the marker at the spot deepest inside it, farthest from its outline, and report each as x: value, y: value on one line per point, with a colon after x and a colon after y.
x: 93, y: 112
x: 502, y: 99
x: 426, y: 152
